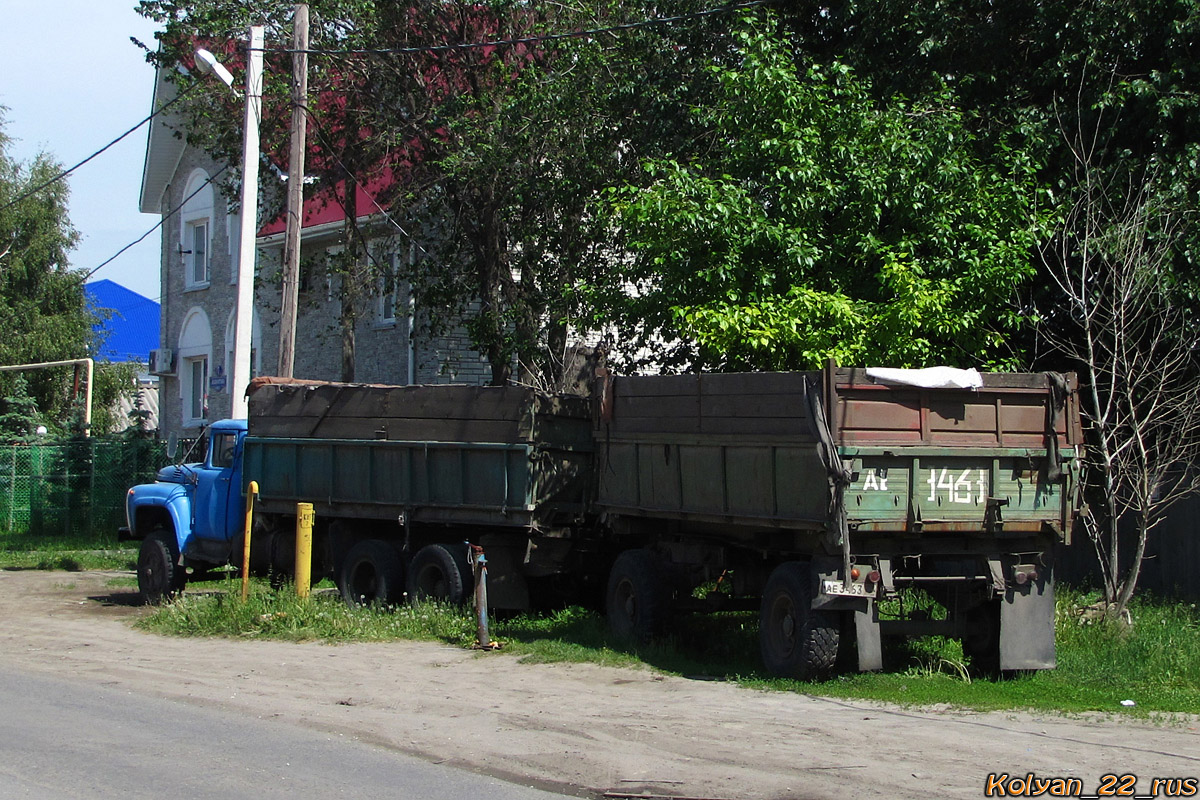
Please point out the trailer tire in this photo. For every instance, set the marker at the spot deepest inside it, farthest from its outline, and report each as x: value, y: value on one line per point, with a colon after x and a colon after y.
x: 796, y: 641
x: 638, y: 601
x: 371, y: 573
x: 440, y: 572
x: 160, y: 577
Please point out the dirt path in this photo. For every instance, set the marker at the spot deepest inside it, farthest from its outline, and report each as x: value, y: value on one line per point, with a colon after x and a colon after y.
x: 576, y: 728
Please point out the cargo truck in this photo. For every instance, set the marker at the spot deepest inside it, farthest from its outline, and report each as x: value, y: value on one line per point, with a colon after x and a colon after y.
x: 826, y: 500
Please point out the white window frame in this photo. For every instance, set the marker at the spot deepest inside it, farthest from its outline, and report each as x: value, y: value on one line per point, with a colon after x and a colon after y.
x: 195, y: 394
x: 196, y: 211
x: 330, y: 254
x: 386, y: 301
x: 195, y: 348
x: 195, y: 254
x: 233, y: 237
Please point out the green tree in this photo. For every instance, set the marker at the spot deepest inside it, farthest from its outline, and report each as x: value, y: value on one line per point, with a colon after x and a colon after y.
x: 1028, y: 70
x: 525, y: 141
x: 41, y: 297
x: 110, y: 383
x: 344, y: 150
x: 516, y: 141
x: 488, y: 158
x: 19, y: 418
x: 810, y: 220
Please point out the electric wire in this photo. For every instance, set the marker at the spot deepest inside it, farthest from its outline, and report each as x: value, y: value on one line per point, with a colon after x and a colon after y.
x: 160, y: 223
x: 549, y: 37
x: 725, y: 9
x: 64, y: 173
x: 321, y: 133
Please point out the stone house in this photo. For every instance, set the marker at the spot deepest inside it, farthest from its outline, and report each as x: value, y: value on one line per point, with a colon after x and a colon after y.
x: 199, y: 270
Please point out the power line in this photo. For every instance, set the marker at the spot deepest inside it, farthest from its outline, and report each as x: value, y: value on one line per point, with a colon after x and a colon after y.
x: 578, y: 34
x: 321, y: 132
x: 67, y: 172
x: 160, y: 223
x: 549, y: 37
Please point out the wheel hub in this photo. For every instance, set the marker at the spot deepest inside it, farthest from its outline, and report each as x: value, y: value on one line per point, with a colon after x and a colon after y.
x: 788, y: 625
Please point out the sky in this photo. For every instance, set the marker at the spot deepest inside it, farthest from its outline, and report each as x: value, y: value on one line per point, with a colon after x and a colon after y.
x: 72, y: 82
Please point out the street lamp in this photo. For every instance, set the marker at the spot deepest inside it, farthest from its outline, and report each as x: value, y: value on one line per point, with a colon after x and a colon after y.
x: 207, y: 63
x: 243, y: 318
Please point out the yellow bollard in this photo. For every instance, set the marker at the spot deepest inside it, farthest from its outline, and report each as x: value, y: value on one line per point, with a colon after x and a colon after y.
x: 251, y: 493
x: 304, y: 526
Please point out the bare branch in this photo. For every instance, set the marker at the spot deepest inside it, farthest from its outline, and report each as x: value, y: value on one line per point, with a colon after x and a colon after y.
x: 1118, y: 320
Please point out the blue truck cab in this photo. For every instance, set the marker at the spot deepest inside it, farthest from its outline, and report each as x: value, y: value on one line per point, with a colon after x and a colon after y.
x: 191, y: 516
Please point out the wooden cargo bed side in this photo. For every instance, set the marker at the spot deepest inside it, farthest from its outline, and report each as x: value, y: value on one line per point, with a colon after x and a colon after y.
x: 483, y: 483
x: 725, y: 448
x: 959, y: 461
x: 763, y: 404
x: 441, y: 413
x: 740, y: 449
x: 1011, y: 411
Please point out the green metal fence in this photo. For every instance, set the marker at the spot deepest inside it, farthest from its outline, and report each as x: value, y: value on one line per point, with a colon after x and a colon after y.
x: 75, y: 488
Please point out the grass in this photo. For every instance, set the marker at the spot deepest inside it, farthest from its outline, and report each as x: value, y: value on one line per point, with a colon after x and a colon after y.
x: 1155, y: 663
x: 69, y: 554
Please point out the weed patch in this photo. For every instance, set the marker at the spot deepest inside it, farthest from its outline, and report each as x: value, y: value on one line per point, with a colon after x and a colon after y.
x: 69, y: 554
x: 1155, y: 662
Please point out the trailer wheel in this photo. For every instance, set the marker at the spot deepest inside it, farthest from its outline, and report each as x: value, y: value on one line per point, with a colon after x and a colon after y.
x: 159, y: 575
x: 371, y: 573
x: 796, y: 641
x: 440, y: 572
x: 638, y: 602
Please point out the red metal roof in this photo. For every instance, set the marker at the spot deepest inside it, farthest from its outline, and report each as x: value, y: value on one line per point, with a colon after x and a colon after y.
x: 325, y: 206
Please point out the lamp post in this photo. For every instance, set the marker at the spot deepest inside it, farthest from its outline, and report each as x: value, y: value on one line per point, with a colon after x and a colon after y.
x: 243, y: 318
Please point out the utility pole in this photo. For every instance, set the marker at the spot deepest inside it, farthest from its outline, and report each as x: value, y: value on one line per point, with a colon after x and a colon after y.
x: 243, y: 319
x: 295, y: 193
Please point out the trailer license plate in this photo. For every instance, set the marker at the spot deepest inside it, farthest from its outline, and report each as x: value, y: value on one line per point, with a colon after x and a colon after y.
x: 839, y: 588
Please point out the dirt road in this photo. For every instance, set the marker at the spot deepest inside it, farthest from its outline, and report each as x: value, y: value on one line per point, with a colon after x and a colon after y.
x: 576, y: 728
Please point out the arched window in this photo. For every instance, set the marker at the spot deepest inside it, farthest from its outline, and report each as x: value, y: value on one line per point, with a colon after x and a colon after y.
x: 255, y: 347
x: 195, y: 235
x: 195, y: 354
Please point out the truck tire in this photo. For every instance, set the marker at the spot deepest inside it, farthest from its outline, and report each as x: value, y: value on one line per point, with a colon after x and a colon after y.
x: 638, y: 600
x: 796, y: 641
x: 160, y: 577
x: 440, y: 572
x: 371, y: 573
x: 281, y: 549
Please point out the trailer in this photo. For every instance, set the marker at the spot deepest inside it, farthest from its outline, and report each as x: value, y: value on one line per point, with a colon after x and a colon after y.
x: 822, y: 499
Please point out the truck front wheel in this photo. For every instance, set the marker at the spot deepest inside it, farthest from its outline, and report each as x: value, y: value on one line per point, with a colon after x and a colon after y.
x: 438, y: 572
x: 796, y: 641
x: 638, y: 601
x: 372, y: 572
x: 160, y: 577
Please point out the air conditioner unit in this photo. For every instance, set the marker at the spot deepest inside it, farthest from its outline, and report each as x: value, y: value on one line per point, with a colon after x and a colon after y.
x: 162, y: 361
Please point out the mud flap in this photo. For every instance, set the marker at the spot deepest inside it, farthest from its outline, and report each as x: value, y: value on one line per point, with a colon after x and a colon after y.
x: 866, y: 636
x: 1027, y: 625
